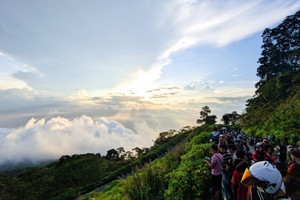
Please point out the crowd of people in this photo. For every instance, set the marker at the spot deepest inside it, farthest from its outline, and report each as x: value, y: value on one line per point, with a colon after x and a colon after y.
x: 251, y: 167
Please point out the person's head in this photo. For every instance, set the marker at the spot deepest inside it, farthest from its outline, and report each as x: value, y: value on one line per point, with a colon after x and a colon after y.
x: 231, y: 148
x: 242, y: 166
x: 264, y: 176
x: 295, y: 155
x: 258, y: 145
x: 223, y: 148
x: 240, y: 154
x: 214, y: 148
x: 290, y: 147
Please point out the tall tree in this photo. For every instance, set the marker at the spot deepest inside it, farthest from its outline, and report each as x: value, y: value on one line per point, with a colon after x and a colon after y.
x: 205, y: 117
x: 235, y: 117
x: 276, y: 104
x: 280, y: 49
x: 226, y: 118
x: 231, y: 118
x: 112, y: 154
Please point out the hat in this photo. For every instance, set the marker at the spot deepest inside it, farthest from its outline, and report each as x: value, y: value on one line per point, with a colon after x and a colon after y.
x: 221, y: 135
x: 259, y: 144
x: 264, y: 176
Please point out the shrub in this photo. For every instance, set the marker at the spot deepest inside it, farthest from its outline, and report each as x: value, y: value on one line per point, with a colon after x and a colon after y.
x: 191, y: 178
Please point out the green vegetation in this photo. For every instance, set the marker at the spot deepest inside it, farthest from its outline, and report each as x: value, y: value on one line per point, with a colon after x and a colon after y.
x: 59, y: 180
x: 71, y: 176
x: 275, y: 108
x: 181, y: 174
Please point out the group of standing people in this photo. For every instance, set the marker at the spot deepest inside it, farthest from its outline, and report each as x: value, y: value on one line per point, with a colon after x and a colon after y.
x: 245, y: 167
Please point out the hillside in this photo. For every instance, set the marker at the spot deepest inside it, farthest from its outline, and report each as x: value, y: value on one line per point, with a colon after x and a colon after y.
x: 72, y: 176
x: 181, y: 174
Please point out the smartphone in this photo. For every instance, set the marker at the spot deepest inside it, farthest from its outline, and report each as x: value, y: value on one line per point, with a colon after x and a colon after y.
x: 208, y: 158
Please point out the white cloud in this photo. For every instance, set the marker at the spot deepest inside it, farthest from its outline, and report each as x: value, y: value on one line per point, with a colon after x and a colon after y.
x: 108, y: 48
x: 44, y: 139
x: 6, y: 56
x: 197, y: 23
x: 220, y: 23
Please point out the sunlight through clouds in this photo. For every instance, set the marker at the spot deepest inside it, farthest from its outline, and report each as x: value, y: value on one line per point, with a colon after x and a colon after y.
x: 78, y: 76
x: 193, y: 27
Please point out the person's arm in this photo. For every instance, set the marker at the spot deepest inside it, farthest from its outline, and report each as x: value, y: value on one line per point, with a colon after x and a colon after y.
x: 208, y: 163
x: 270, y: 158
x: 254, y: 154
x: 233, y: 182
x: 211, y: 164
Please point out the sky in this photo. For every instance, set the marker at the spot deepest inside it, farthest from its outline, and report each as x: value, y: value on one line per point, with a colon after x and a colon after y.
x: 87, y: 76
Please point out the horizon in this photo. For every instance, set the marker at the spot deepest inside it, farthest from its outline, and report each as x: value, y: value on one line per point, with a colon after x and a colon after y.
x: 80, y: 77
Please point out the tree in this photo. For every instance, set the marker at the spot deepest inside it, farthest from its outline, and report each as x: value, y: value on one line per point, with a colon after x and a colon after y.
x: 205, y: 117
x: 231, y: 118
x: 276, y: 106
x: 280, y: 49
x: 112, y: 154
x: 128, y: 155
x: 235, y: 118
x: 226, y: 118
x: 138, y: 151
x: 163, y: 136
x: 121, y: 152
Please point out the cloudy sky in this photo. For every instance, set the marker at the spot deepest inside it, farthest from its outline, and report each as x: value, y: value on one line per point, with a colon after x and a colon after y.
x: 84, y: 76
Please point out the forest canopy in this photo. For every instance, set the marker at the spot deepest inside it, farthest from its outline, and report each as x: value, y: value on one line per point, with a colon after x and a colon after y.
x: 275, y: 108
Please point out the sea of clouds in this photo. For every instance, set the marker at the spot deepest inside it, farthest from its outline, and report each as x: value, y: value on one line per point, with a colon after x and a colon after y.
x: 42, y: 139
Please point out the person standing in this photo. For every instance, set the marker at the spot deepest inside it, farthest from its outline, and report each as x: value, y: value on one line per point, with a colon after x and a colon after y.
x: 225, y: 171
x: 215, y: 135
x: 216, y: 170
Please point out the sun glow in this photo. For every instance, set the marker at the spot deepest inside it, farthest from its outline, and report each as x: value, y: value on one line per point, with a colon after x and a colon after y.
x: 143, y: 82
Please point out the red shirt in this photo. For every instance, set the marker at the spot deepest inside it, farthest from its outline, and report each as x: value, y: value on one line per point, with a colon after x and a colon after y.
x: 242, y: 191
x: 255, y: 156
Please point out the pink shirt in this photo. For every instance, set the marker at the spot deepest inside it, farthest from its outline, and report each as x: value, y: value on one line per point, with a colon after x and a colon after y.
x: 216, y: 161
